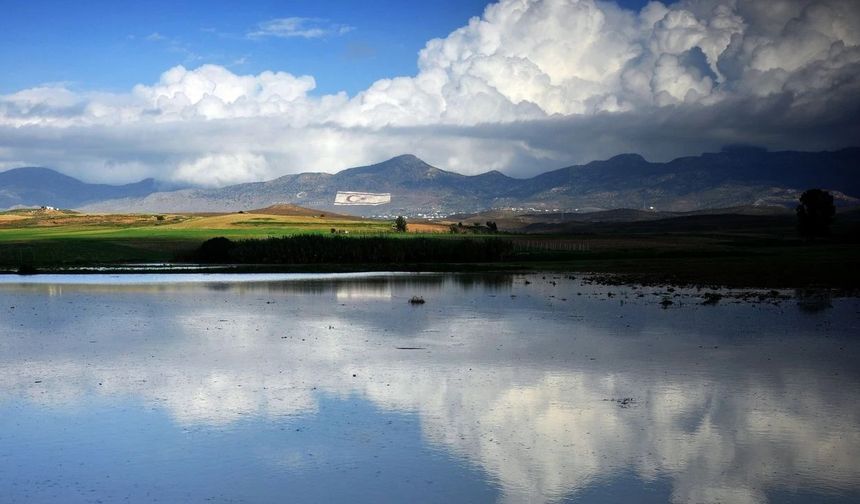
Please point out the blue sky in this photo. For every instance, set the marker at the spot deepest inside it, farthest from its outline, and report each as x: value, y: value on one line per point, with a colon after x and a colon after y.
x: 112, y: 45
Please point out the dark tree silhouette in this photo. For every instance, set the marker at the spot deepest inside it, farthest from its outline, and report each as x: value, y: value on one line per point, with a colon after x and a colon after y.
x: 216, y: 249
x: 492, y: 226
x: 815, y: 213
x: 400, y: 224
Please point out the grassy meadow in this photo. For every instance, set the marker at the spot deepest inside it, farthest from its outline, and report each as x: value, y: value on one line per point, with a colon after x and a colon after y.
x: 58, y: 238
x: 723, y: 250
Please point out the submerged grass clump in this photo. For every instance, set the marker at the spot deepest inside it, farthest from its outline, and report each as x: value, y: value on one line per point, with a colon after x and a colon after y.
x: 712, y: 298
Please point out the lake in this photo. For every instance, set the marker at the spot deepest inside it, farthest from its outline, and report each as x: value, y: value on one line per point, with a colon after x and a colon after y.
x: 499, y: 388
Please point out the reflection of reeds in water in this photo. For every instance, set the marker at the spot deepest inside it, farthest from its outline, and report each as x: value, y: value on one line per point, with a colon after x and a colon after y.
x: 355, y: 291
x: 493, y: 281
x: 350, y: 285
x: 381, y: 286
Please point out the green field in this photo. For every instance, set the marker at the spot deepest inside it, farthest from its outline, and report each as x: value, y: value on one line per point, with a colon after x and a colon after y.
x: 728, y: 250
x: 44, y: 239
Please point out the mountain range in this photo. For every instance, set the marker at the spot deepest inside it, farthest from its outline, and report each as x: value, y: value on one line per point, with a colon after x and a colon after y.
x: 33, y: 186
x: 734, y: 177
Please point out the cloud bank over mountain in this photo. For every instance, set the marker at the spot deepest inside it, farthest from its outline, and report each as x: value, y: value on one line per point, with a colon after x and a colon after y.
x: 528, y: 86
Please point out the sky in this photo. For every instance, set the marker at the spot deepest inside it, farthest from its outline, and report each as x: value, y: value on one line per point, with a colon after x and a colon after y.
x: 217, y: 92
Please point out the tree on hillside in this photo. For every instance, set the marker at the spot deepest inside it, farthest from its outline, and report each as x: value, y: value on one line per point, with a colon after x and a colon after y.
x: 400, y: 224
x: 815, y: 213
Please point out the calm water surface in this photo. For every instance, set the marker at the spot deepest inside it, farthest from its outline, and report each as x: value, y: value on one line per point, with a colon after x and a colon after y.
x: 333, y: 388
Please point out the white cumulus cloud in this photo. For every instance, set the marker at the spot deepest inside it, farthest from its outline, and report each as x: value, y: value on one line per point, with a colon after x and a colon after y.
x: 224, y: 169
x: 529, y: 85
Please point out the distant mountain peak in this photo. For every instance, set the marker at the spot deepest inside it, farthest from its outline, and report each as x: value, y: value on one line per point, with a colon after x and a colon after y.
x: 403, y: 166
x: 30, y: 172
x: 408, y: 161
x: 492, y: 174
x: 627, y: 158
x: 406, y: 158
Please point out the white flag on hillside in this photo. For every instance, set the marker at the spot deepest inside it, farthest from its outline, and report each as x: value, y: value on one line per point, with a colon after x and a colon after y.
x: 361, y: 198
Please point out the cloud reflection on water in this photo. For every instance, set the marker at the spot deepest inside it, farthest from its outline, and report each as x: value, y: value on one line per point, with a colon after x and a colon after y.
x: 729, y: 402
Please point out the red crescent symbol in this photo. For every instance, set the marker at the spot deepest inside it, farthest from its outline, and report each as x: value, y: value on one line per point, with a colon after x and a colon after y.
x: 352, y: 198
